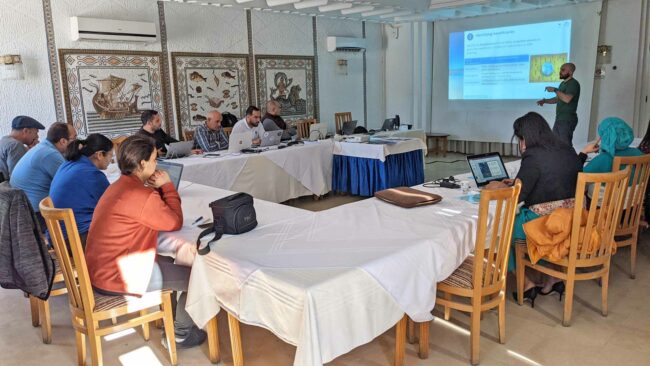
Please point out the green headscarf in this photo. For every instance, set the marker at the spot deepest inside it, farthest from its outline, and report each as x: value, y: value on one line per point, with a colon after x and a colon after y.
x: 615, y: 134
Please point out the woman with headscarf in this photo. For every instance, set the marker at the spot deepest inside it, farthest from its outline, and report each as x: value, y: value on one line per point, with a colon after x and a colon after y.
x: 615, y: 139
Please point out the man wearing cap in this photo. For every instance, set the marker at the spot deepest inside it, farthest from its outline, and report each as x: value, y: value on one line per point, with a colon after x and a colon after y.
x: 23, y: 136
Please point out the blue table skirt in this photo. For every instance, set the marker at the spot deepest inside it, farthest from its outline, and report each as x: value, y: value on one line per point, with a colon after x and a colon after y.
x: 364, y: 177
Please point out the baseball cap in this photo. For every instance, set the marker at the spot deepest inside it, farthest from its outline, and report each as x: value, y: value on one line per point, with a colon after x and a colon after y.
x: 26, y: 122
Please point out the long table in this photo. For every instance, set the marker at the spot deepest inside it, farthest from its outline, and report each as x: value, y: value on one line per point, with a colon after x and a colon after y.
x: 275, y: 175
x: 325, y: 281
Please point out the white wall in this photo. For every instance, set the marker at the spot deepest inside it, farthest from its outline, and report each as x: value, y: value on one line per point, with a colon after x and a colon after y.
x: 24, y: 34
x: 190, y: 28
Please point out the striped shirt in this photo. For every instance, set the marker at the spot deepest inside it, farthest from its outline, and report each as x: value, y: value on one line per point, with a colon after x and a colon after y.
x: 209, y: 140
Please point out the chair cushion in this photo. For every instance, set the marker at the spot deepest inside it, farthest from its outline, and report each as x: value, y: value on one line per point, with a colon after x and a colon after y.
x: 150, y: 299
x: 463, y: 275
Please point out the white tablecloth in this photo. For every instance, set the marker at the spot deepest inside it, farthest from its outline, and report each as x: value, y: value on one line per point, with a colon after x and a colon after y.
x: 419, y: 134
x: 378, y: 151
x: 326, y: 281
x: 274, y: 175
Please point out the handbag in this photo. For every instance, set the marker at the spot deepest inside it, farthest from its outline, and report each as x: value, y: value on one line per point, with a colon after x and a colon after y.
x: 232, y: 215
x: 407, y: 197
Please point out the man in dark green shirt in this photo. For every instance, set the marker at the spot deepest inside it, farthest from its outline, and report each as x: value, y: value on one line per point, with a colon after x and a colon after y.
x: 566, y: 100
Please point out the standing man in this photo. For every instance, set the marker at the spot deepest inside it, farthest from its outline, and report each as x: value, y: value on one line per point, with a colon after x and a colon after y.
x: 35, y: 171
x: 151, y: 127
x: 23, y: 136
x: 251, y: 123
x: 566, y: 100
x: 210, y: 137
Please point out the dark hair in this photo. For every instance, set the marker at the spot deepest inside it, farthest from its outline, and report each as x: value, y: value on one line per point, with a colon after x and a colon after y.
x: 535, y: 131
x: 251, y: 109
x: 132, y: 151
x: 58, y: 131
x: 572, y: 66
x: 646, y: 138
x: 148, y: 115
x: 93, y: 143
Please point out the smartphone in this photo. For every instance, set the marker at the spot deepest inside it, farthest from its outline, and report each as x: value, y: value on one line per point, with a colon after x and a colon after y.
x: 211, y: 155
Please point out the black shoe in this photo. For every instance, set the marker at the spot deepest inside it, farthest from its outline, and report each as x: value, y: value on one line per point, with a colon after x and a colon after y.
x: 558, y: 287
x: 196, y: 337
x: 529, y: 294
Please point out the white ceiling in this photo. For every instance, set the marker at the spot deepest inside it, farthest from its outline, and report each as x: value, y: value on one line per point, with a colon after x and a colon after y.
x: 388, y: 11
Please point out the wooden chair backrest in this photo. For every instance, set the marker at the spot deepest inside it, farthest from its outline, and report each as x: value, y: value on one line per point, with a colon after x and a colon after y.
x: 491, y: 253
x: 341, y: 117
x: 117, y: 142
x: 303, y: 127
x: 227, y: 131
x: 637, y: 185
x: 80, y: 293
x: 602, y: 214
x: 188, y: 135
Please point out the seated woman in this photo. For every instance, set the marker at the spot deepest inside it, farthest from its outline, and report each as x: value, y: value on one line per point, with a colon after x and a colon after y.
x: 121, y: 247
x: 548, y: 173
x: 79, y: 183
x: 615, y: 139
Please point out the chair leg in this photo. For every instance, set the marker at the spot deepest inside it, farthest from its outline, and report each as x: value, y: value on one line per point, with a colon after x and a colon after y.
x: 400, y: 340
x: 213, y: 341
x: 145, y: 326
x: 635, y: 239
x: 95, y: 346
x: 33, y: 306
x: 46, y: 322
x: 158, y: 323
x: 603, y: 290
x: 568, y: 299
x: 447, y: 296
x: 475, y: 331
x: 520, y: 274
x: 235, y: 341
x: 168, y: 322
x: 423, y: 352
x: 410, y: 331
x: 81, y: 348
x: 502, y: 321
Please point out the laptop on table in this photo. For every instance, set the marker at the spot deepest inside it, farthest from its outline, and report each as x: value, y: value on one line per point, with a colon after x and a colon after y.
x: 348, y: 127
x: 487, y: 168
x: 389, y: 124
x: 174, y: 170
x: 179, y: 149
x: 271, y: 138
x: 239, y: 141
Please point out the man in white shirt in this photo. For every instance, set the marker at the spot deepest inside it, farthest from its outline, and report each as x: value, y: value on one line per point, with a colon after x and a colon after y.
x: 251, y: 123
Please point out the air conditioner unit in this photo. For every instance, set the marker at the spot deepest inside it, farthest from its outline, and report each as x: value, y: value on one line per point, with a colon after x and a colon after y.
x: 345, y: 44
x: 112, y: 30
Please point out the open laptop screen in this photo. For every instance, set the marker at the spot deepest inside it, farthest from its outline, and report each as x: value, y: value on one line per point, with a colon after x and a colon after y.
x: 174, y: 170
x: 487, y: 168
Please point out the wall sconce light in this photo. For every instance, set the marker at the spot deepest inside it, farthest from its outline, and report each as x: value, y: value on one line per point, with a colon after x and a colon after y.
x: 604, y: 54
x: 342, y: 67
x: 11, y: 68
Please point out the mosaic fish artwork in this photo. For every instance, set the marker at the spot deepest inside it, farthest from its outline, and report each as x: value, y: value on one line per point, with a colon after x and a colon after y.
x: 215, y: 102
x: 193, y: 106
x: 195, y: 76
x: 227, y: 75
x: 199, y: 89
x: 226, y: 94
x: 216, y: 79
x: 199, y: 118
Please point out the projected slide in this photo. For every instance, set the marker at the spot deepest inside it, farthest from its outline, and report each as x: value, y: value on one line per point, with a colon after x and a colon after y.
x: 514, y: 62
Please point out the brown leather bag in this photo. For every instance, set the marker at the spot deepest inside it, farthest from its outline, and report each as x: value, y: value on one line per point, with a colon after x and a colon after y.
x: 407, y: 197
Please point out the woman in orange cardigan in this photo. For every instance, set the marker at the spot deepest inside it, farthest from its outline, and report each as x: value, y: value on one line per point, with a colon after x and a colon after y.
x: 121, y: 245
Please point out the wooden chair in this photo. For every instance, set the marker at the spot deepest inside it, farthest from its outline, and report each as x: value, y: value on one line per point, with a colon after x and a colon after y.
x: 89, y: 309
x: 188, y: 135
x: 603, y: 220
x: 481, y: 278
x: 303, y: 127
x: 238, y: 356
x: 227, y: 131
x: 341, y: 117
x: 628, y: 226
x: 40, y: 309
x: 117, y: 142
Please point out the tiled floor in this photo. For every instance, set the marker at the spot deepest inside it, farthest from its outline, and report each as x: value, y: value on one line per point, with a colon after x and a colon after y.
x: 534, y: 336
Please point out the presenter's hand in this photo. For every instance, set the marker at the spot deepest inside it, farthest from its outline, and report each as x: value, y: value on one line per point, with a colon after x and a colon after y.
x: 540, y: 102
x: 551, y: 89
x: 158, y: 179
x: 592, y: 147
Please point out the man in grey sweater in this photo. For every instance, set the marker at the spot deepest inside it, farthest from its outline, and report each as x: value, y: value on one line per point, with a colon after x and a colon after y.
x: 23, y: 136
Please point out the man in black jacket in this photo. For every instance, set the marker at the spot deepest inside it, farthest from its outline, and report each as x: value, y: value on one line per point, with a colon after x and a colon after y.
x: 151, y: 127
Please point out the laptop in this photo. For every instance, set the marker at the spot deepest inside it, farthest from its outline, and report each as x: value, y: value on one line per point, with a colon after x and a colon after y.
x: 389, y: 124
x: 174, y: 170
x: 271, y: 138
x: 348, y: 127
x: 317, y: 131
x: 239, y: 141
x: 179, y: 149
x: 487, y: 168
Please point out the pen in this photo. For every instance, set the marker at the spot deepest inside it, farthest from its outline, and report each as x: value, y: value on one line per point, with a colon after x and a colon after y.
x: 197, y: 220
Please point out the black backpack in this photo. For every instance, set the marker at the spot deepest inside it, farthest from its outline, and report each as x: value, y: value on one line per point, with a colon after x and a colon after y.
x: 228, y: 119
x: 233, y: 215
